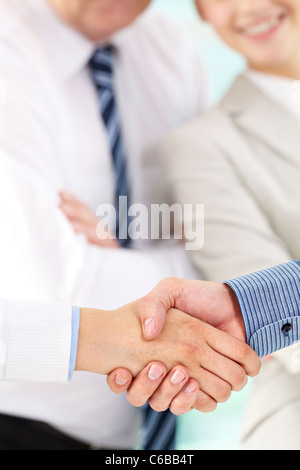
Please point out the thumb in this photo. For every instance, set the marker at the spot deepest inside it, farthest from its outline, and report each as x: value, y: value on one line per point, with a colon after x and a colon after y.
x: 153, y: 323
x: 153, y: 309
x: 119, y: 380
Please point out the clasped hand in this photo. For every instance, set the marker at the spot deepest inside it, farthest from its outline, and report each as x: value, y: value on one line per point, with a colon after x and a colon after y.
x: 189, y: 364
x: 216, y: 359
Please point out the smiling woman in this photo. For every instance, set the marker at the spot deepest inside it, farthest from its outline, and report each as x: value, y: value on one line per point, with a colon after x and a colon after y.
x: 98, y: 19
x: 266, y: 32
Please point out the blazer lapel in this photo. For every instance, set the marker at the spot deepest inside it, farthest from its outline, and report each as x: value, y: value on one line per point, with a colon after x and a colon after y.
x: 267, y: 120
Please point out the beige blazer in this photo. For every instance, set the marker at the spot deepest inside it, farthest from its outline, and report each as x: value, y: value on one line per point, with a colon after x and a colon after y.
x: 242, y: 161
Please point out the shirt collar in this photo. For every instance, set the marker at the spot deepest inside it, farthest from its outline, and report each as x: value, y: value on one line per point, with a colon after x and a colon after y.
x: 68, y: 50
x: 282, y: 90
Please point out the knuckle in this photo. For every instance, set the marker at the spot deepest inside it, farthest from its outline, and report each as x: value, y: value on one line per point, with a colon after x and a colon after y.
x: 205, y: 404
x: 190, y: 346
x: 179, y: 408
x: 244, y: 351
x: 223, y: 392
x: 168, y: 281
x: 157, y: 406
x: 136, y: 401
x: 182, y: 404
x: 239, y: 378
x: 191, y: 349
x: 249, y: 359
x: 256, y: 368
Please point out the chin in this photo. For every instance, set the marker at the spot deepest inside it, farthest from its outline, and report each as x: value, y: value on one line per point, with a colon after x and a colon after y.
x: 96, y: 34
x: 270, y: 60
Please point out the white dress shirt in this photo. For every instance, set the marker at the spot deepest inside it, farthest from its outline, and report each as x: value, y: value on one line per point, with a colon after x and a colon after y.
x: 51, y: 139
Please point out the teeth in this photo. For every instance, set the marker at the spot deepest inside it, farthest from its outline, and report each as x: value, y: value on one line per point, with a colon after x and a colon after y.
x: 262, y: 27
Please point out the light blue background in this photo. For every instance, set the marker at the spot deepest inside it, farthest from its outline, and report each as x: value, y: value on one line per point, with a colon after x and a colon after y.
x: 223, y: 63
x: 221, y: 429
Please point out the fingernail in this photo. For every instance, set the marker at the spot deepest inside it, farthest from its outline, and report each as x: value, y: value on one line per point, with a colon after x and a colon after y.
x: 121, y: 380
x: 177, y: 377
x: 190, y: 388
x: 155, y: 372
x: 149, y: 325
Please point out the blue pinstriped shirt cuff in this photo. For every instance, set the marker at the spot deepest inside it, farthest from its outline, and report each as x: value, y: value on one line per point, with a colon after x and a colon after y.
x: 74, y: 340
x: 270, y: 305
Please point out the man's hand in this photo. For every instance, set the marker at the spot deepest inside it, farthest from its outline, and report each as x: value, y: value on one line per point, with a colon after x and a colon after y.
x: 210, y: 302
x: 215, y: 360
x: 85, y: 222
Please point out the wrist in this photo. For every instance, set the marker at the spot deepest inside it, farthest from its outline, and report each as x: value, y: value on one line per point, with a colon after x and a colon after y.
x: 92, y: 326
x: 111, y: 339
x: 236, y: 313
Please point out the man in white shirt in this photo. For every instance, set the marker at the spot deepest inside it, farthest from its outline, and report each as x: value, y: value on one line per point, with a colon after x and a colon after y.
x: 52, y: 139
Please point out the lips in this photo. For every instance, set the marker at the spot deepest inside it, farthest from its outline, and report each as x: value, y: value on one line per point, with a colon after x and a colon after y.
x: 263, y: 28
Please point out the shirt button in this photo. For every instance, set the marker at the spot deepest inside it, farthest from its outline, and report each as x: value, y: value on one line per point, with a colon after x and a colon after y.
x: 286, y: 329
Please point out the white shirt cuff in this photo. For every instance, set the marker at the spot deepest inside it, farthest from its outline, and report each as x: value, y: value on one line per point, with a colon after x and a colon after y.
x: 37, y: 339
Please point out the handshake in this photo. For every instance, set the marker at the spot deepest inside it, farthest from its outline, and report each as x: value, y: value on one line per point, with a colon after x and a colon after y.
x: 182, y: 346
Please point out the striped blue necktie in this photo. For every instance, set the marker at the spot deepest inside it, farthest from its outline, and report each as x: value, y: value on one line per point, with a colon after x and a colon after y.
x: 159, y: 428
x: 101, y: 66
